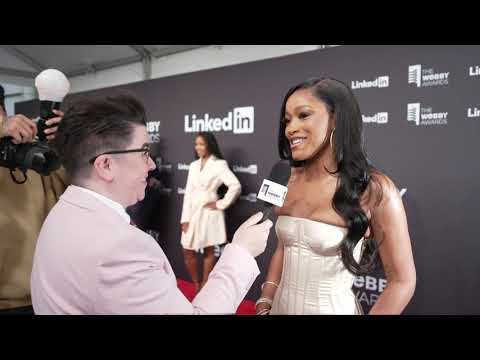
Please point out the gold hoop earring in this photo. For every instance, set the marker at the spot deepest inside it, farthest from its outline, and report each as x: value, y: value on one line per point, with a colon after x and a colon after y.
x: 331, y: 137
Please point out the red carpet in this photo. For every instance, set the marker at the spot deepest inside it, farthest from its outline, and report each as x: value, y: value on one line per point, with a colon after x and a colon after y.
x: 246, y: 307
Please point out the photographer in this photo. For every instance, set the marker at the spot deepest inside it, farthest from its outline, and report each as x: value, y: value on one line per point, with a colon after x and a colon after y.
x: 148, y: 214
x: 24, y: 207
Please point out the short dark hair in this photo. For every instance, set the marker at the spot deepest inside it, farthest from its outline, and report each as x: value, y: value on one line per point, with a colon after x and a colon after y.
x: 212, y: 144
x: 92, y: 126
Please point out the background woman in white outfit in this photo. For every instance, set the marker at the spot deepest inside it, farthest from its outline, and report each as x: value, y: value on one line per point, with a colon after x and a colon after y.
x: 337, y: 205
x: 203, y: 220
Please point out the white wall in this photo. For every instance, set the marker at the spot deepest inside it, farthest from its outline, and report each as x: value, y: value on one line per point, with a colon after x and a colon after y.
x: 14, y: 93
x: 203, y: 58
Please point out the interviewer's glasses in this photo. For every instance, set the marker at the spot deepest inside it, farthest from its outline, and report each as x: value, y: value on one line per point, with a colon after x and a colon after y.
x: 145, y: 150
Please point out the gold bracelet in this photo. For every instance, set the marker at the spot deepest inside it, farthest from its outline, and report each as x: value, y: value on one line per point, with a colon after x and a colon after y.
x: 269, y: 282
x: 264, y: 300
x: 264, y: 312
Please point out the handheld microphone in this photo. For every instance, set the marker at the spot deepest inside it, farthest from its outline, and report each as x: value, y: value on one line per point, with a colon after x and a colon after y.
x: 274, y: 189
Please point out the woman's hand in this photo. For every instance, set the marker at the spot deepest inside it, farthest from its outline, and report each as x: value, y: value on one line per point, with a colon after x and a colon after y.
x: 263, y: 308
x: 211, y: 205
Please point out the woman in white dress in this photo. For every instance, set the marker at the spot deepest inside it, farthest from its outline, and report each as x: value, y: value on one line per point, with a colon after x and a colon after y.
x: 203, y: 220
x: 337, y: 205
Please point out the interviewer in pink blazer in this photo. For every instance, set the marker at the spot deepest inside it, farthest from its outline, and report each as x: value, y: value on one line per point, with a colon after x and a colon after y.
x: 90, y: 260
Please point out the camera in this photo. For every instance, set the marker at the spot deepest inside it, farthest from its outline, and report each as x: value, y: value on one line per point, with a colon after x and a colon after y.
x: 52, y: 86
x: 149, y: 214
x: 38, y: 155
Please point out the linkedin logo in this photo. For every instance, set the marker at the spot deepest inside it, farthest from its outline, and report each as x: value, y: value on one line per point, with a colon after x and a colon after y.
x: 241, y: 121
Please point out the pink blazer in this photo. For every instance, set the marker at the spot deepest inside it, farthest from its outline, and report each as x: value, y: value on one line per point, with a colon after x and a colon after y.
x: 88, y: 260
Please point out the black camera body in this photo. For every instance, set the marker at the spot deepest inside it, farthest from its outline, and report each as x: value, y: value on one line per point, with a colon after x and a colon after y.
x: 38, y: 155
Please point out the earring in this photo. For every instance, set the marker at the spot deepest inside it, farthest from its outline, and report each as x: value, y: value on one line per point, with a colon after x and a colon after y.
x: 331, y: 137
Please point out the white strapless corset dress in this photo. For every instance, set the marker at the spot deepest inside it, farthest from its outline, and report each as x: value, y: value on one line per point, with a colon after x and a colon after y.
x: 314, y: 279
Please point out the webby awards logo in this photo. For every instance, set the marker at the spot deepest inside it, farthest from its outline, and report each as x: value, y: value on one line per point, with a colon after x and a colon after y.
x: 424, y: 115
x: 423, y: 77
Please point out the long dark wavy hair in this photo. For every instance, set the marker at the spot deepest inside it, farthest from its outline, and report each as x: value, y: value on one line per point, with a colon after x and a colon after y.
x: 213, y: 149
x: 353, y: 168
